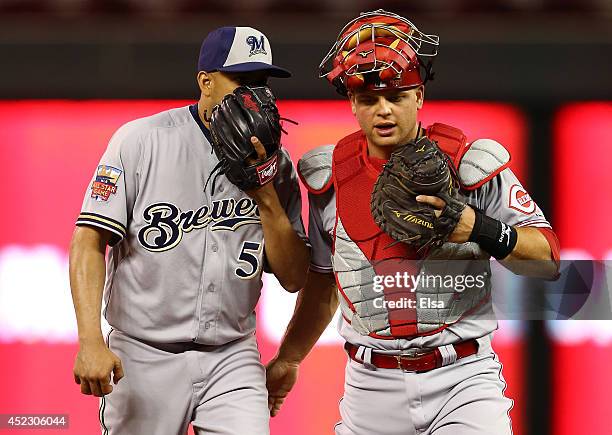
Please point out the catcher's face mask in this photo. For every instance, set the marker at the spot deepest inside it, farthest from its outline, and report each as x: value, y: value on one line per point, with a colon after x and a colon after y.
x: 379, y: 50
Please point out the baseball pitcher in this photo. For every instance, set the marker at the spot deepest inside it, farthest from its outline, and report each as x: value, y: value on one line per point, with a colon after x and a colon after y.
x: 194, y: 203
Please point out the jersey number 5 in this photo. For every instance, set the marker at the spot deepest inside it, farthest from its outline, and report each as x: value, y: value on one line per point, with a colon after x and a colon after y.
x: 249, y: 256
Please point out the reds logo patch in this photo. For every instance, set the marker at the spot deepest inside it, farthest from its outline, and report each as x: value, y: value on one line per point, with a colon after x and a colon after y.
x: 520, y: 200
x: 105, y: 182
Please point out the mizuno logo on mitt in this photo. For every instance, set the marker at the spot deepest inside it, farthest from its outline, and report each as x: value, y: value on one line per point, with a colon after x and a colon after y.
x: 413, y: 219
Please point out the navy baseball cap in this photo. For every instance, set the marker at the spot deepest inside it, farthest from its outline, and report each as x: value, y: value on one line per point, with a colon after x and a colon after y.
x: 238, y: 49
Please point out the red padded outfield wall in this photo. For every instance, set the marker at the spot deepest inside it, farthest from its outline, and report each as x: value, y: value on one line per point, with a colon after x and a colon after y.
x: 49, y: 150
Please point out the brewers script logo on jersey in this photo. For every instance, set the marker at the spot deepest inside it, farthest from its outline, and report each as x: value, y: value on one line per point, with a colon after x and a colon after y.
x: 167, y: 223
x: 105, y: 182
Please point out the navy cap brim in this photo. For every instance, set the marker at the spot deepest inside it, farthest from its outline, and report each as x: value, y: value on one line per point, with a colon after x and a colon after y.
x: 272, y: 70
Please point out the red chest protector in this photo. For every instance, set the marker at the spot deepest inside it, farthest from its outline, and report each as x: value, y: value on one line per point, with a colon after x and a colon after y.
x: 354, y: 177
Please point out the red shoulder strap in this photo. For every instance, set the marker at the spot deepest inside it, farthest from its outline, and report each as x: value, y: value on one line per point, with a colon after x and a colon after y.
x: 451, y: 141
x: 346, y: 160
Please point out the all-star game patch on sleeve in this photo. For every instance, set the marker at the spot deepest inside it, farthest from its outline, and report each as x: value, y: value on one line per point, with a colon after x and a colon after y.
x: 110, y: 195
x: 504, y: 198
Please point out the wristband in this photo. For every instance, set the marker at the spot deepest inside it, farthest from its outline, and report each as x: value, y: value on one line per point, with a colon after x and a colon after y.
x: 495, y: 237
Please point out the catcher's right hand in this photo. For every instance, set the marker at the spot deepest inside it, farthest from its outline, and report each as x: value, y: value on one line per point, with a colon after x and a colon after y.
x: 417, y: 168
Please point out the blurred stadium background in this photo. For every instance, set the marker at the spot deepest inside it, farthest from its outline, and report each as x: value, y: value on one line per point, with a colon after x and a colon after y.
x: 533, y: 74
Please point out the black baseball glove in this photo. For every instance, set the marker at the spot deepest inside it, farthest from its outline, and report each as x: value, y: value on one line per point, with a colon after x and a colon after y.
x: 418, y: 168
x: 248, y: 111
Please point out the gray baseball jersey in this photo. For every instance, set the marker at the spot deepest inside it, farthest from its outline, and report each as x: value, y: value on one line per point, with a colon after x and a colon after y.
x: 185, y: 263
x: 502, y: 198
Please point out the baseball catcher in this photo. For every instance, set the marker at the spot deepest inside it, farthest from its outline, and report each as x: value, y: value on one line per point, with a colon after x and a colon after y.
x: 418, y: 168
x: 247, y: 112
x: 419, y: 351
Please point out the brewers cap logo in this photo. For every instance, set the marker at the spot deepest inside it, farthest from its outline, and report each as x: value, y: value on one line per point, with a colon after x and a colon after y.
x: 258, y: 46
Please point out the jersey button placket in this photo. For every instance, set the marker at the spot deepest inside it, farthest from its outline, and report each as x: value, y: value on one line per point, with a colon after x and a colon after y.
x: 201, y: 303
x: 212, y: 295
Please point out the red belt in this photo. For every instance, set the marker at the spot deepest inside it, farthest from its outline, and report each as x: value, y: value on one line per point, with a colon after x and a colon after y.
x: 414, y: 360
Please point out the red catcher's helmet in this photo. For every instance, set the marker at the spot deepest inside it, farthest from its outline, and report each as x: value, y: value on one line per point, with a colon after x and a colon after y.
x: 379, y: 50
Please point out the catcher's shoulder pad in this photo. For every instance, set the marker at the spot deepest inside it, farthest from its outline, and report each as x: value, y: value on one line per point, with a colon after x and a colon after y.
x: 484, y: 159
x: 315, y: 169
